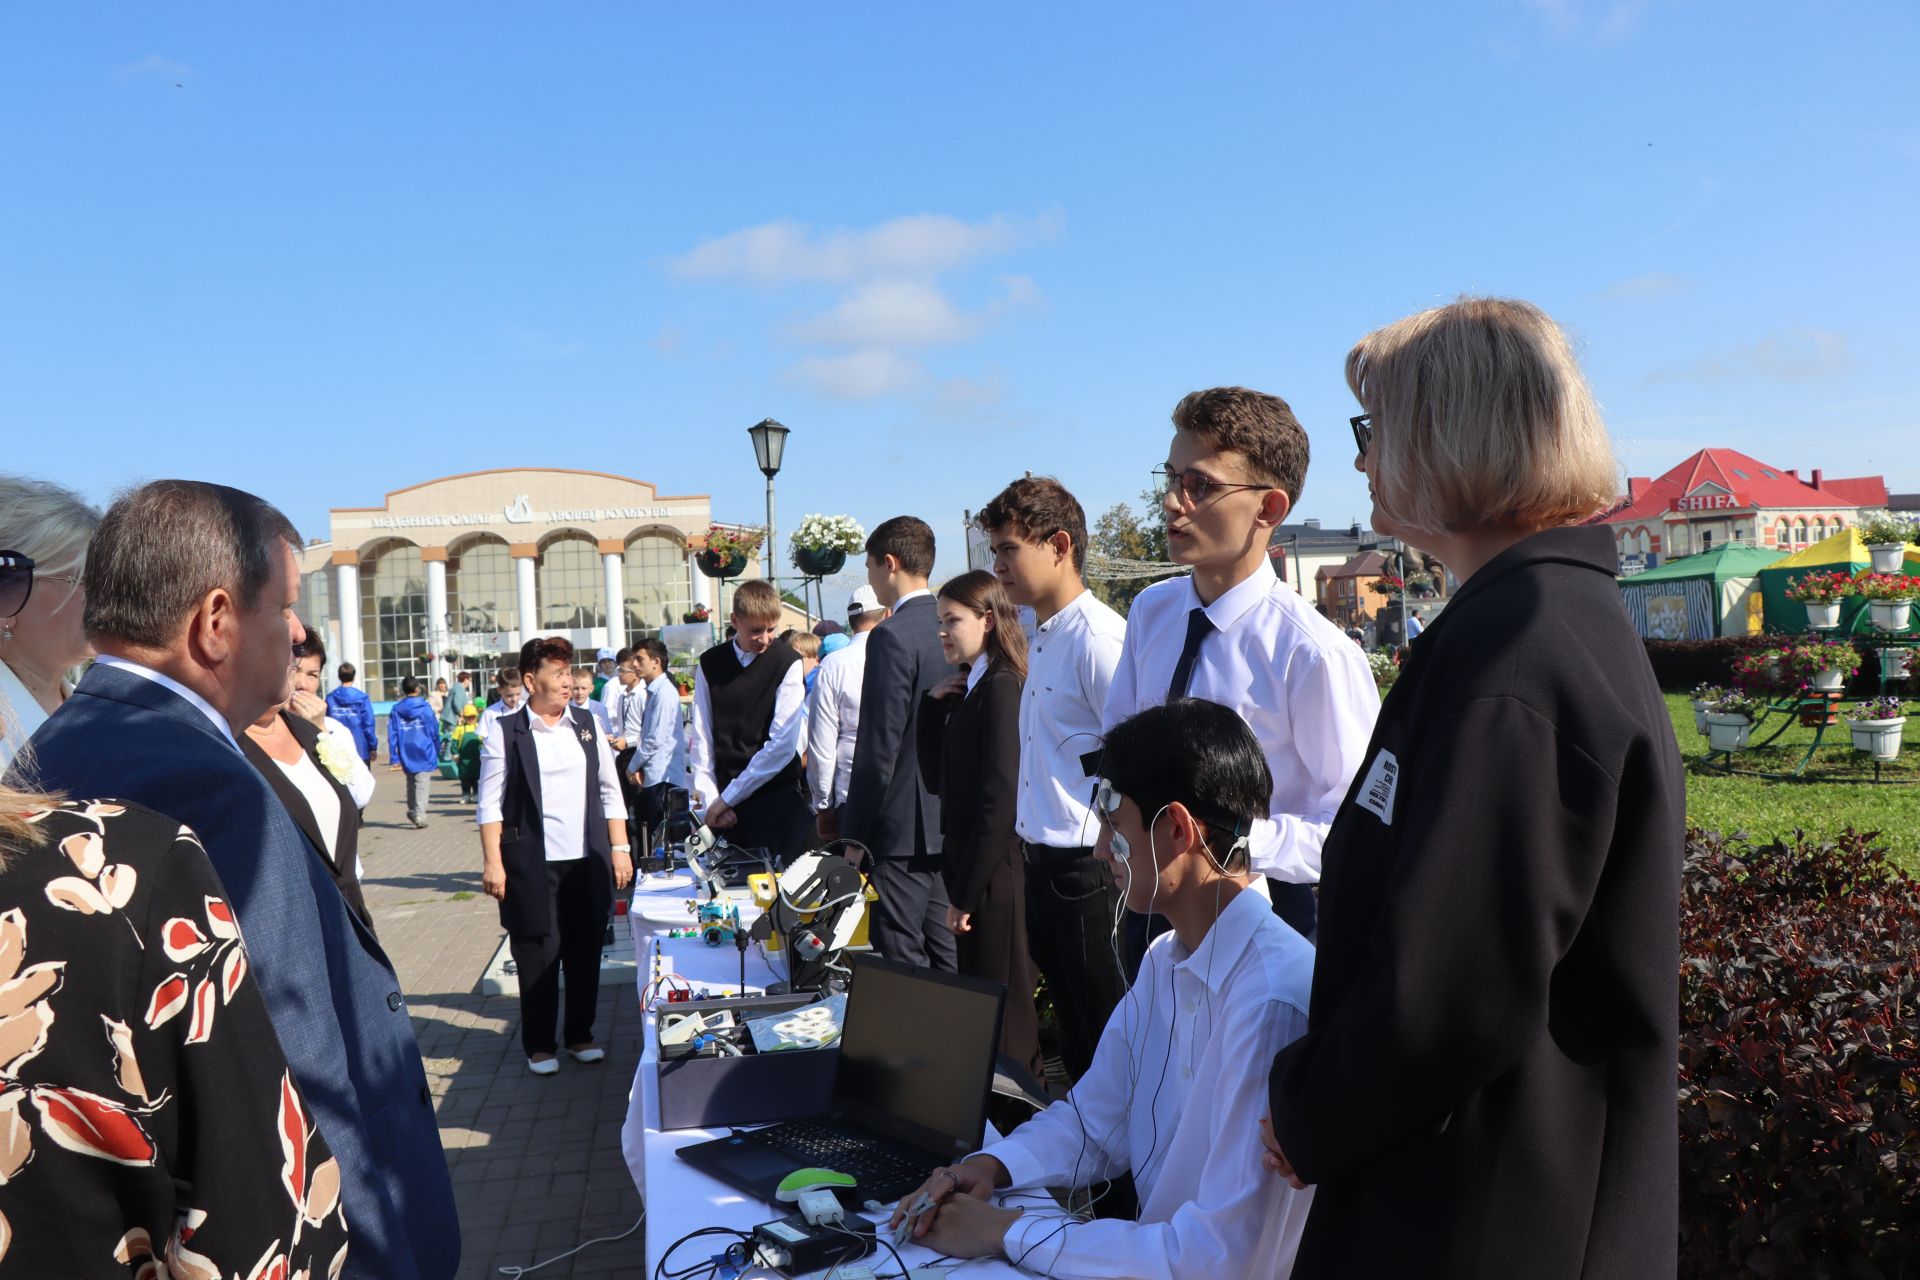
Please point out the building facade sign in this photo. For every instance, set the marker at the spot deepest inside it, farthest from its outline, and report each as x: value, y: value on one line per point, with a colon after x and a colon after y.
x: 519, y: 511
x: 1709, y: 502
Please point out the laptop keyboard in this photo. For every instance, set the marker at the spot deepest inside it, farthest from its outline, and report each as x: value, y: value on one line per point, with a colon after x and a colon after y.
x: 882, y: 1175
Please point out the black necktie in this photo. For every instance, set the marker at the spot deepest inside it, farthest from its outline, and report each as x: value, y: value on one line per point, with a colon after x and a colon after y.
x: 1199, y: 627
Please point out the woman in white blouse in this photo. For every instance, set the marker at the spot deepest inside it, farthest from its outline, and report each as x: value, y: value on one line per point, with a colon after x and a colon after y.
x: 47, y: 636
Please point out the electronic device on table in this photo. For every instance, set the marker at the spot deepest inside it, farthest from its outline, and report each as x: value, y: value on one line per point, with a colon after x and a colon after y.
x: 820, y: 900
x: 720, y: 865
x: 909, y: 1090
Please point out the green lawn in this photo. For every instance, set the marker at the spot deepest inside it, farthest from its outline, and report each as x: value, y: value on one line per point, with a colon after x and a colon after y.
x: 1764, y: 808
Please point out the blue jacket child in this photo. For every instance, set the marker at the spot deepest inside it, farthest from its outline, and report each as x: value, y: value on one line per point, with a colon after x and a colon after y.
x: 413, y: 735
x: 351, y: 707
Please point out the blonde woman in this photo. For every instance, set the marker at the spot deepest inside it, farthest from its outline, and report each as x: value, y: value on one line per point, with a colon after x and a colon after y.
x: 148, y: 1122
x: 1486, y: 1086
x: 42, y: 631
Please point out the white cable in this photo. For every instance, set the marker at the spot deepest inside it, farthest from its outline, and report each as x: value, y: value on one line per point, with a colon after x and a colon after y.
x: 521, y: 1271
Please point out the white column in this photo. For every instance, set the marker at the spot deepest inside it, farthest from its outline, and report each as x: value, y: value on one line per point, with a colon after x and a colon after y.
x: 437, y: 634
x: 524, y: 582
x: 699, y: 585
x: 346, y: 595
x: 614, y: 566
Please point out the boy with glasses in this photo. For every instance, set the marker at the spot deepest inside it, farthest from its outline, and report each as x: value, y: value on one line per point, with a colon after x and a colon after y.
x: 1233, y: 632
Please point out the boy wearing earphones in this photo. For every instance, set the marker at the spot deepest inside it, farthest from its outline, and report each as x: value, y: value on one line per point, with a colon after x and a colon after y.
x: 1178, y: 1083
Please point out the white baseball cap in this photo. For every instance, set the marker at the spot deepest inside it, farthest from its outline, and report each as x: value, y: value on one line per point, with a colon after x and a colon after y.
x: 862, y: 600
x: 605, y: 655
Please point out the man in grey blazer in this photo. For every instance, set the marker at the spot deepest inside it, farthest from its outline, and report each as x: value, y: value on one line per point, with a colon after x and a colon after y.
x: 190, y: 602
x: 888, y: 809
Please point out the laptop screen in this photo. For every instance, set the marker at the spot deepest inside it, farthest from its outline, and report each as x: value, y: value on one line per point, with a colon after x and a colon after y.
x: 917, y: 1053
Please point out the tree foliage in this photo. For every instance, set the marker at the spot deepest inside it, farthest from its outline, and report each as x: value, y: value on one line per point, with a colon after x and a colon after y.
x: 1123, y: 534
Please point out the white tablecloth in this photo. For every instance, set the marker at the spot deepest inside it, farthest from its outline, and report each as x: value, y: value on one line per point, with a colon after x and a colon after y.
x: 680, y: 1198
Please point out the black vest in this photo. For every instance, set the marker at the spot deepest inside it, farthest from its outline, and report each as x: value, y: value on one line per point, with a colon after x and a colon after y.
x: 527, y: 909
x: 742, y: 700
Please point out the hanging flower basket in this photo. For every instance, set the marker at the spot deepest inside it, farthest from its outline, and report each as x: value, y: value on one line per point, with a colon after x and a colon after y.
x: 1876, y: 726
x: 1702, y: 697
x: 715, y: 565
x: 1890, y: 615
x: 1828, y: 680
x: 1894, y: 663
x: 1823, y: 617
x: 819, y: 562
x: 1886, y: 556
x: 1727, y: 732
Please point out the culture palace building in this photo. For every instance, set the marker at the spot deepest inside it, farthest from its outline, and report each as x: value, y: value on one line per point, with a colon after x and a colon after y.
x: 455, y: 573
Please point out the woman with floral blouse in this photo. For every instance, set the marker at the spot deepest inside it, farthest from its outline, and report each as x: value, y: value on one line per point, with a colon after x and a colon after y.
x: 148, y: 1123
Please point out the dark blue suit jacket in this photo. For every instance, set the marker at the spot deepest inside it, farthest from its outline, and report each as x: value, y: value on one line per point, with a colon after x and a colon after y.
x: 332, y: 995
x: 889, y: 808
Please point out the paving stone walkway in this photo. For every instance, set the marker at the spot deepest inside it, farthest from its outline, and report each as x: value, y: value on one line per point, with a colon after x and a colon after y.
x: 536, y: 1160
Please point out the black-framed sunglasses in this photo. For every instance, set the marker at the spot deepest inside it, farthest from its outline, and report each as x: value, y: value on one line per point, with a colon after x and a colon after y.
x: 1362, y: 432
x: 1195, y: 488
x: 16, y: 582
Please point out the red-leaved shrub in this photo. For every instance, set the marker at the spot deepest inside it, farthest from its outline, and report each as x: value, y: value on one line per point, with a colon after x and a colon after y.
x: 1799, y: 1060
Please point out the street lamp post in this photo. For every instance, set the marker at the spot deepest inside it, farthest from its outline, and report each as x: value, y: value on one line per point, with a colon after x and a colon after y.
x: 769, y: 446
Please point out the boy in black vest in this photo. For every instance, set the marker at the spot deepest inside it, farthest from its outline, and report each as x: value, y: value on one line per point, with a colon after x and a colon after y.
x: 748, y: 715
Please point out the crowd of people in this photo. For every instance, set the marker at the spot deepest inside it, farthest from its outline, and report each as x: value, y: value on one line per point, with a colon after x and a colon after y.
x: 1339, y: 989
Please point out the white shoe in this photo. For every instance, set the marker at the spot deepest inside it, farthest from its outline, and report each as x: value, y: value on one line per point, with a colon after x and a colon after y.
x: 592, y: 1053
x: 551, y: 1067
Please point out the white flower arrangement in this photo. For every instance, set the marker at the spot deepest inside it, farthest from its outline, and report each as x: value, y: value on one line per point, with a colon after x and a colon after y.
x: 829, y: 533
x: 335, y: 759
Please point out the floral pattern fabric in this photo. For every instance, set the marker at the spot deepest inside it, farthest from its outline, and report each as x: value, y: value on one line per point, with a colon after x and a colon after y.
x: 149, y: 1128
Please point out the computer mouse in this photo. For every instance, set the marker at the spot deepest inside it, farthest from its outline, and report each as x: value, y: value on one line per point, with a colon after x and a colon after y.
x: 802, y: 1180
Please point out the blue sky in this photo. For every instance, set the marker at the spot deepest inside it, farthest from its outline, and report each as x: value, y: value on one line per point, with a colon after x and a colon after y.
x: 325, y: 253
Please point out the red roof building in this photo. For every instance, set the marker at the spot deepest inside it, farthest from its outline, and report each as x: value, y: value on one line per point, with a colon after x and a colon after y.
x: 1719, y: 496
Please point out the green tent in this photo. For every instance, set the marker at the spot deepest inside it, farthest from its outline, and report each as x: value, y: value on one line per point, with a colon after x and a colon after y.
x: 1844, y: 552
x: 1699, y: 597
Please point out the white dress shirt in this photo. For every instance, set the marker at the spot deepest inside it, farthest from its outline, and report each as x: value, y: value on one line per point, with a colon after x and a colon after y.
x: 833, y: 722
x: 663, y: 738
x: 627, y: 713
x: 563, y: 781
x: 493, y: 711
x: 1298, y: 682
x: 320, y: 796
x: 600, y: 711
x: 200, y: 704
x: 976, y: 669
x: 1070, y: 666
x: 1175, y: 1095
x: 782, y: 744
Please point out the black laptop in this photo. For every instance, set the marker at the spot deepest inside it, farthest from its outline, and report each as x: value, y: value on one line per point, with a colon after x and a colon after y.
x: 910, y: 1092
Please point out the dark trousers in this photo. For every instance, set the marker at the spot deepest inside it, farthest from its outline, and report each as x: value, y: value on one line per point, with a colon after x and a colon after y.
x: 629, y: 790
x: 774, y: 818
x: 910, y: 919
x: 1071, y: 899
x: 573, y: 943
x: 995, y: 947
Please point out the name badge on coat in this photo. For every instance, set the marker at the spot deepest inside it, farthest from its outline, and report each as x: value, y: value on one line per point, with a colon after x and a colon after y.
x: 1376, y: 790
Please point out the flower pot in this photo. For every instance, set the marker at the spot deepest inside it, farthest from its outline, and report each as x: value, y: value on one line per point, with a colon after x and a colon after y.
x: 1890, y: 615
x: 1886, y: 556
x: 716, y: 566
x: 1893, y: 664
x: 1829, y: 680
x: 819, y: 562
x: 1699, y: 716
x: 1727, y: 733
x: 1878, y: 738
x: 1823, y: 616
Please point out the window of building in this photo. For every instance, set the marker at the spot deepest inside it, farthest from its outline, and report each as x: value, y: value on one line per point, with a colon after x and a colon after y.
x: 393, y: 618
x: 482, y: 608
x: 1743, y: 475
x: 657, y: 593
x: 316, y: 612
x: 571, y: 586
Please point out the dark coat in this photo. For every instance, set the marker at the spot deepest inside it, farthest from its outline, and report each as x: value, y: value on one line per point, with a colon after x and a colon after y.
x: 889, y: 808
x: 330, y: 990
x: 969, y: 751
x: 346, y: 840
x: 1486, y: 1088
x: 527, y: 908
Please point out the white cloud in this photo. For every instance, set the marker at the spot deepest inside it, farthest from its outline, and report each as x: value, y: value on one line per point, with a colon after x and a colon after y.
x: 1655, y: 284
x: 867, y: 374
x: 156, y: 67
x: 780, y: 253
x: 1797, y: 355
x: 890, y: 313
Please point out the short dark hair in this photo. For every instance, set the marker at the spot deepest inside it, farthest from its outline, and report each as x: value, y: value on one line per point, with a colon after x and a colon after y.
x: 1198, y: 753
x: 1035, y: 508
x: 908, y: 539
x: 346, y: 673
x: 654, y: 649
x: 1259, y: 427
x: 540, y: 650
x: 409, y: 685
x: 622, y: 655
x: 507, y: 678
x: 311, y: 647
x: 461, y: 676
x: 162, y: 547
